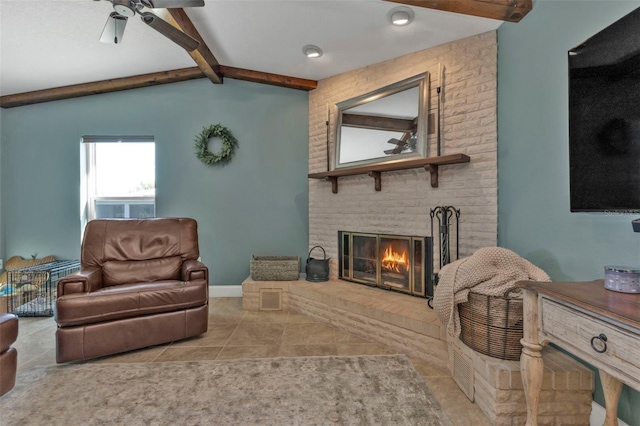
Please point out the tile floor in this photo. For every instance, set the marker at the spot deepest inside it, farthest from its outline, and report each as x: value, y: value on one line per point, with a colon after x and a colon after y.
x: 235, y: 333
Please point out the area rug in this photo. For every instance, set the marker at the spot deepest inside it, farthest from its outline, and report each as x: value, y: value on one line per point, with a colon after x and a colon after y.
x: 360, y: 390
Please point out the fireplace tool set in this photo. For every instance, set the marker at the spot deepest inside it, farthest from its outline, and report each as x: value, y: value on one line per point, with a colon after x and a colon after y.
x: 447, y: 219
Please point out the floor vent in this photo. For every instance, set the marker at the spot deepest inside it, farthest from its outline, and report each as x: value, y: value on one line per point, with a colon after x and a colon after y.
x: 270, y: 299
x: 463, y: 372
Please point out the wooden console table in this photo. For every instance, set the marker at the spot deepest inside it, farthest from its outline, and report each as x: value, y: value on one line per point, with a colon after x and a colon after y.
x: 597, y: 325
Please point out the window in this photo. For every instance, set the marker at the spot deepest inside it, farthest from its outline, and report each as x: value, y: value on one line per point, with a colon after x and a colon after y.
x: 119, y: 176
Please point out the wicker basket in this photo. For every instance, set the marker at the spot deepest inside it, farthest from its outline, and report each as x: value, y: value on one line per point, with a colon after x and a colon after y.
x: 275, y: 268
x: 492, y: 325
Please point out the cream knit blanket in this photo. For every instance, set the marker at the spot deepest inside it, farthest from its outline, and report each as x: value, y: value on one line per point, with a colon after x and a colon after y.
x: 490, y: 271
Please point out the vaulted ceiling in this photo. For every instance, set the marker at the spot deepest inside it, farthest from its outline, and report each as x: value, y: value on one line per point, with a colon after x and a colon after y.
x: 52, y: 44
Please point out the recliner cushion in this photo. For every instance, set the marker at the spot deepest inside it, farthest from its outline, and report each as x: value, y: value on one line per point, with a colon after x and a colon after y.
x: 139, y: 271
x: 128, y: 301
x: 138, y: 239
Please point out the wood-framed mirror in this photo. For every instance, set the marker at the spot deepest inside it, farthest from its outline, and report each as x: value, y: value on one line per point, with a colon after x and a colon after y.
x: 386, y: 125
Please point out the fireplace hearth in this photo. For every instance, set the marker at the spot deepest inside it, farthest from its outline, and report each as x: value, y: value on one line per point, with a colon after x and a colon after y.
x: 392, y: 262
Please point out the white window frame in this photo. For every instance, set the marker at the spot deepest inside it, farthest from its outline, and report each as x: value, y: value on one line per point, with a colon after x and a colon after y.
x: 89, y: 149
x: 127, y: 201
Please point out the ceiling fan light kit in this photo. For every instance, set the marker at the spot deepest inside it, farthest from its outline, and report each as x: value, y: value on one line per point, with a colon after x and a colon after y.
x: 124, y: 9
x: 114, y: 28
x: 311, y: 51
x: 401, y: 16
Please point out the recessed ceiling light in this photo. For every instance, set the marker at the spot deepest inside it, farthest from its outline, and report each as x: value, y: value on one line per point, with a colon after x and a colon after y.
x: 401, y: 16
x: 312, y: 51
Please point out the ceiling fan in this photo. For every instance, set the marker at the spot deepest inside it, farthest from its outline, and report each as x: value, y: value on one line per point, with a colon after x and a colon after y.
x: 408, y: 142
x: 125, y: 9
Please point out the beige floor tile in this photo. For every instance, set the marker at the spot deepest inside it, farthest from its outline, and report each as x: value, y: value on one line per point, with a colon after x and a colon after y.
x: 427, y: 369
x: 216, y: 335
x: 466, y: 415
x: 447, y: 392
x: 343, y: 337
x: 25, y: 366
x: 228, y: 302
x: 266, y: 317
x: 238, y: 352
x: 31, y: 325
x: 365, y: 349
x: 43, y: 338
x: 225, y: 315
x: 33, y: 348
x: 308, y: 334
x: 257, y: 334
x: 140, y: 355
x: 299, y: 318
x: 307, y: 350
x: 189, y: 353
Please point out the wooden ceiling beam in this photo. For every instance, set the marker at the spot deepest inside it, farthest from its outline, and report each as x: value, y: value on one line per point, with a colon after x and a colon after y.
x: 202, y: 56
x: 378, y: 123
x: 152, y: 79
x: 97, y: 87
x: 503, y: 10
x: 210, y: 66
x: 268, y: 78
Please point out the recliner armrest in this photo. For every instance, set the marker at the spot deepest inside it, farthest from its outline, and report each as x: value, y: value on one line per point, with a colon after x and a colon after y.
x: 84, y: 281
x: 193, y: 270
x: 8, y: 331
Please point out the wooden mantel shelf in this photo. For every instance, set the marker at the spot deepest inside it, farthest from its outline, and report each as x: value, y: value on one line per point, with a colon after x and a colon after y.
x: 374, y: 170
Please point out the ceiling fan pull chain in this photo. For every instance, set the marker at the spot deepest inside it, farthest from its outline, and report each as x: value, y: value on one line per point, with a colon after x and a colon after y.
x: 115, y: 31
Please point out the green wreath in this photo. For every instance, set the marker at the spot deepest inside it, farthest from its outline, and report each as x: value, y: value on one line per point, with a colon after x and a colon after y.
x: 229, y: 145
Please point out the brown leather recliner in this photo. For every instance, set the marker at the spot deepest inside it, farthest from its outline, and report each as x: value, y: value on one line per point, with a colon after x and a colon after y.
x: 8, y: 355
x: 140, y: 285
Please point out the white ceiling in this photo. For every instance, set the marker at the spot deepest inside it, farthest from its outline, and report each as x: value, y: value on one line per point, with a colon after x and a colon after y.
x: 53, y: 43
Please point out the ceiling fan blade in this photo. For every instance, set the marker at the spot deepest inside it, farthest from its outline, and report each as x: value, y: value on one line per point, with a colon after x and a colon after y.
x: 166, y: 4
x: 166, y: 29
x: 400, y: 145
x: 114, y: 28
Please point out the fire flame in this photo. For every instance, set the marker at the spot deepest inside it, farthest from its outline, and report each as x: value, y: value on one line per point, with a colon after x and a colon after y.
x: 395, y: 261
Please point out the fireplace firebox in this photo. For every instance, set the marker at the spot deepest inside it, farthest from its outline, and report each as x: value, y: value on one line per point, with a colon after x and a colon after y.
x: 392, y: 262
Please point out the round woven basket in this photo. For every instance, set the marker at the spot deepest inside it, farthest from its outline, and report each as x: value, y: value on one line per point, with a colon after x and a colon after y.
x: 492, y: 325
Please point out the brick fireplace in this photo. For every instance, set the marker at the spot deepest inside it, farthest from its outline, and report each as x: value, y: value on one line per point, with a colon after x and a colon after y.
x: 402, y: 207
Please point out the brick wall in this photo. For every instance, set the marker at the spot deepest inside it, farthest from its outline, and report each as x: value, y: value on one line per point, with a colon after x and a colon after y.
x: 468, y: 126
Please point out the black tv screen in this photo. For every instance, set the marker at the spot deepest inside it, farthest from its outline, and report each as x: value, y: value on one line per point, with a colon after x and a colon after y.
x: 604, y: 119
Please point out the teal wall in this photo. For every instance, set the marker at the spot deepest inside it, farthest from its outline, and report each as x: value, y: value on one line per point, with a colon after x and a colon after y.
x: 257, y: 204
x: 533, y: 153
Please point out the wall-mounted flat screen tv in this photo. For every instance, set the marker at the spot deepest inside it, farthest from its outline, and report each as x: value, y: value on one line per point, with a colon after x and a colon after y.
x: 604, y: 119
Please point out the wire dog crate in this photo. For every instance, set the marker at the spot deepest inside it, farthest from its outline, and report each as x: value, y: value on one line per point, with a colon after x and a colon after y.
x: 32, y: 290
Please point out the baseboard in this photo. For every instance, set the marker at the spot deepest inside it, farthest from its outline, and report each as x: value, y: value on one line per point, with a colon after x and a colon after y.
x: 598, y: 413
x: 225, y: 291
